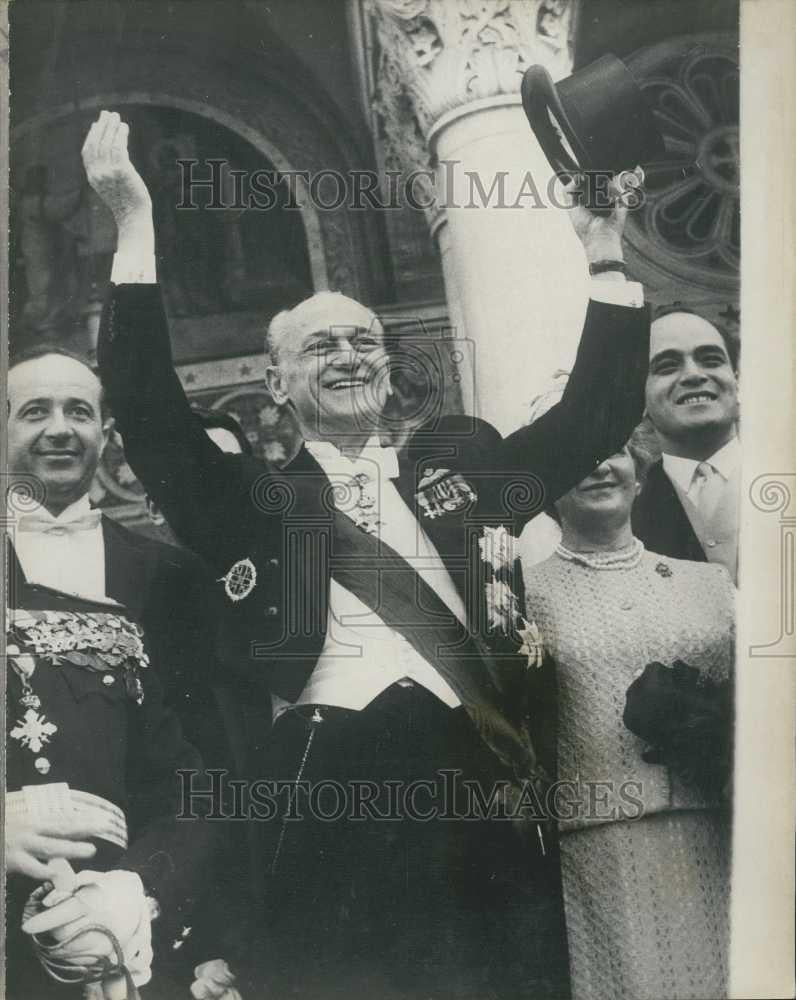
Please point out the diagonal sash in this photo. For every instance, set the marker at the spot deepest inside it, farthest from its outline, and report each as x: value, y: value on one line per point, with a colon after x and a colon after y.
x: 386, y: 583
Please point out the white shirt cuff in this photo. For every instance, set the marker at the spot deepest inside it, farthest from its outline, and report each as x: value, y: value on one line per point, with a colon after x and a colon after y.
x: 617, y: 293
x: 133, y: 270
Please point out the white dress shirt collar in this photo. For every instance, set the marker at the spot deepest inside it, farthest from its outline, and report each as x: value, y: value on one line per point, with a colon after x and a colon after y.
x: 681, y: 470
x: 76, y: 511
x: 375, y: 459
x: 66, y: 552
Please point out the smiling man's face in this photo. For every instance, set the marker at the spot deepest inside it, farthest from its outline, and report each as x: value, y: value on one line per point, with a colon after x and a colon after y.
x: 55, y: 427
x: 332, y: 365
x: 692, y: 390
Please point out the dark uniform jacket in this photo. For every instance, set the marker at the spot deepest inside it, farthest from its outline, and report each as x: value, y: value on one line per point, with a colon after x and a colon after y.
x: 108, y: 745
x: 660, y: 521
x: 166, y: 589
x: 281, y: 528
x: 126, y: 753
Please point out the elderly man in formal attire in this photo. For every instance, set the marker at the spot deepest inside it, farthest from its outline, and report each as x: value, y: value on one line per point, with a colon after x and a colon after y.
x: 92, y: 750
x: 688, y: 508
x: 374, y: 597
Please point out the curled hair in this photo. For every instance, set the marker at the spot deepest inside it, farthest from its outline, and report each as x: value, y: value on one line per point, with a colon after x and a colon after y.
x: 644, y: 448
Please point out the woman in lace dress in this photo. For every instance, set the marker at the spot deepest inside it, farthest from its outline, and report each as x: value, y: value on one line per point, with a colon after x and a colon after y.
x: 644, y: 854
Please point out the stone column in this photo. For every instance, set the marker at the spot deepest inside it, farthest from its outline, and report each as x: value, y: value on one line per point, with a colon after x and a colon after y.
x: 467, y: 376
x: 449, y: 74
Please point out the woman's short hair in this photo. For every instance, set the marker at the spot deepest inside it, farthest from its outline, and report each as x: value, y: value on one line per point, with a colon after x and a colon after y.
x: 644, y: 448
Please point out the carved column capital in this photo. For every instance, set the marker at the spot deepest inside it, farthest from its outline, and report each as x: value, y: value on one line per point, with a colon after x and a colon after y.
x: 439, y: 55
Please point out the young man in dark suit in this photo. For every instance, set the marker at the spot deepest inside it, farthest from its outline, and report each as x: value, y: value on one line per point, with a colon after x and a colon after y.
x: 101, y: 743
x: 374, y: 596
x: 688, y: 507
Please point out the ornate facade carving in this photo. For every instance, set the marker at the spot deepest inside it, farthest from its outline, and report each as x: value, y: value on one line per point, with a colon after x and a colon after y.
x: 688, y: 231
x: 433, y: 56
x: 440, y: 55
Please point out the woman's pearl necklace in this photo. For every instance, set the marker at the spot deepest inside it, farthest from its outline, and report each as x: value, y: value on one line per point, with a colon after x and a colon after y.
x: 625, y: 558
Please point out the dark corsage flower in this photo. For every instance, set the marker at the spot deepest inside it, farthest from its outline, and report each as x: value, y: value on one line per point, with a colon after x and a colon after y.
x: 686, y: 720
x: 663, y: 569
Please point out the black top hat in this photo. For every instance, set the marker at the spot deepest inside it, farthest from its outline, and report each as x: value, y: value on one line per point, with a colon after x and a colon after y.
x: 601, y: 113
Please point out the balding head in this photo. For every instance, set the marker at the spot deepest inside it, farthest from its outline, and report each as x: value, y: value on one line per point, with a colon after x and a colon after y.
x: 319, y: 311
x: 327, y: 357
x: 56, y: 431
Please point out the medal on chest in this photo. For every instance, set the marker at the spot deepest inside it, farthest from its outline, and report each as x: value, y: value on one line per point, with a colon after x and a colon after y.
x: 365, y: 512
x: 442, y: 492
x: 240, y: 580
x: 105, y: 644
x: 33, y: 730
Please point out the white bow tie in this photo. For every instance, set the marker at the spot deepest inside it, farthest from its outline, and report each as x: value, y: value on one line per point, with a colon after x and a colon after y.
x: 43, y: 521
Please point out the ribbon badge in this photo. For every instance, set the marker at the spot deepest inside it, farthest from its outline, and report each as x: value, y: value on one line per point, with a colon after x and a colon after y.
x: 441, y: 492
x: 240, y: 580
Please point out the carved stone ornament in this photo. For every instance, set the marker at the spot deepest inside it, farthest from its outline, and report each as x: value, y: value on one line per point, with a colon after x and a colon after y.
x: 443, y: 54
x: 689, y: 226
x: 433, y: 56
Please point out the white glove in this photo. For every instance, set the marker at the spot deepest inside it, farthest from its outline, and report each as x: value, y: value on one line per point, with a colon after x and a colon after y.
x: 114, y: 900
x: 214, y: 981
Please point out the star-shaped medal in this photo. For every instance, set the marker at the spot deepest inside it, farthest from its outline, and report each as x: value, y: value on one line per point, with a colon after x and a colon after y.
x: 34, y: 731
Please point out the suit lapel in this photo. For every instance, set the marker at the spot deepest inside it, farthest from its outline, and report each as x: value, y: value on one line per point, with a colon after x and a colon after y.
x: 662, y: 523
x: 15, y: 576
x: 447, y: 534
x: 681, y: 527
x: 406, y: 483
x: 129, y: 568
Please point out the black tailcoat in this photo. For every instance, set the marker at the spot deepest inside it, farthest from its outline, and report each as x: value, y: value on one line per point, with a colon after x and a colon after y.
x: 283, y: 529
x: 231, y: 508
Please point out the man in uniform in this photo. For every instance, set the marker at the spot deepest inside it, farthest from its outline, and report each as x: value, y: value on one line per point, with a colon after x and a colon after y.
x: 91, y: 758
x: 373, y: 595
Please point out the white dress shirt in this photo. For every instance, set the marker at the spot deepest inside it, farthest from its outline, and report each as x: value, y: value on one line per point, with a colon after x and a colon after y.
x: 66, y: 552
x: 362, y: 656
x: 711, y: 506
